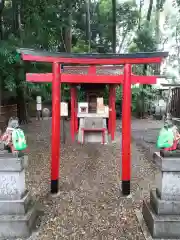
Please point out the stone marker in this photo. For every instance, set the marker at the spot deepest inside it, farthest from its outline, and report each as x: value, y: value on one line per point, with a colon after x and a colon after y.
x: 17, y: 210
x: 46, y: 113
x: 162, y: 213
x: 39, y: 106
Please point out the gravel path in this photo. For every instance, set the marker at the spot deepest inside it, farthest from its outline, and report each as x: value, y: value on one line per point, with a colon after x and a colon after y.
x: 145, y: 133
x: 90, y: 204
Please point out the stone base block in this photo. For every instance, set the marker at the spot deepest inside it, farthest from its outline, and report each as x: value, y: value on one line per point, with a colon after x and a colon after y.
x: 168, y: 185
x: 3, y: 152
x: 17, y: 226
x: 163, y: 207
x: 168, y: 164
x: 15, y: 207
x: 12, y: 185
x: 12, y: 176
x: 10, y: 163
x: 167, y: 227
x: 1, y: 146
x: 170, y: 154
x: 92, y: 136
x: 168, y: 179
x: 157, y: 117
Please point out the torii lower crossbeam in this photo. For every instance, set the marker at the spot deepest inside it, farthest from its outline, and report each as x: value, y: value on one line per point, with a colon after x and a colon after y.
x: 78, y: 78
x: 56, y: 77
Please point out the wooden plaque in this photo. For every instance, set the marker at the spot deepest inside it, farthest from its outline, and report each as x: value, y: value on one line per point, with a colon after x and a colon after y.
x: 100, y: 106
x: 38, y: 100
x: 64, y: 109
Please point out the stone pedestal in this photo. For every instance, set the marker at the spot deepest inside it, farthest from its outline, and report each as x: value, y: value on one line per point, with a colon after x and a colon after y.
x: 92, y: 122
x: 17, y: 210
x: 162, y: 213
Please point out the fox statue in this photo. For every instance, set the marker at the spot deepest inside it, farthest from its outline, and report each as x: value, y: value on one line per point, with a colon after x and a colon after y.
x: 169, y: 137
x: 13, y: 138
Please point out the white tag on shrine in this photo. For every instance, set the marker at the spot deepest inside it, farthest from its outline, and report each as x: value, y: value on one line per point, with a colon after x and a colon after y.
x: 38, y: 99
x: 38, y: 106
x: 64, y: 109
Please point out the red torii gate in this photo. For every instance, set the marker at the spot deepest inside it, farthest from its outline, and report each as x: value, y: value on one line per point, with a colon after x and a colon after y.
x: 57, y: 77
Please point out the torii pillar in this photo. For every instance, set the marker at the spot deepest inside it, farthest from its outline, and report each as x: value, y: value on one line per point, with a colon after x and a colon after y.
x: 126, y: 131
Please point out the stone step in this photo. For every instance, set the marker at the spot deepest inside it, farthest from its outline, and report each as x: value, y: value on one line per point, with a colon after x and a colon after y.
x: 18, y: 226
x: 12, y: 185
x: 167, y: 164
x: 164, y: 226
x: 3, y: 152
x: 6, y: 154
x: 9, y: 163
x: 1, y: 146
x: 164, y: 207
x: 15, y: 207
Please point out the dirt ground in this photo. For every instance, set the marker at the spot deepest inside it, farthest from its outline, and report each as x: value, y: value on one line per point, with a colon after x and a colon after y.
x: 90, y: 204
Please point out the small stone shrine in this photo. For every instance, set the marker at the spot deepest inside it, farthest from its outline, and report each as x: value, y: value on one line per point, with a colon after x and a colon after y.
x: 162, y: 213
x: 17, y: 210
x: 92, y: 92
x: 92, y: 115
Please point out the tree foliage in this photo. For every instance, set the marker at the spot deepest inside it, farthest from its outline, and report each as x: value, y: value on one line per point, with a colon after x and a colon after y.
x: 61, y: 25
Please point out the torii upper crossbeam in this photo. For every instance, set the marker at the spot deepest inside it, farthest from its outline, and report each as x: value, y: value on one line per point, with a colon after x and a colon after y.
x: 57, y: 77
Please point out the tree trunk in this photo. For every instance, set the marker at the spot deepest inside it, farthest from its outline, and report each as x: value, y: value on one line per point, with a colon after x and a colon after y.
x: 114, y: 26
x: 100, y: 42
x: 68, y: 28
x: 20, y: 87
x: 67, y: 46
x: 1, y: 19
x: 157, y: 17
x: 68, y: 38
x: 15, y: 4
x: 1, y: 38
x: 21, y: 106
x: 123, y: 39
x: 140, y: 13
x: 148, y: 20
x: 20, y: 97
x: 88, y: 23
x: 159, y: 5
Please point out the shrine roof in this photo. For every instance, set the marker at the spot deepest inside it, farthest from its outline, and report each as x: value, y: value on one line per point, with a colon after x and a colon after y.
x: 43, y: 53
